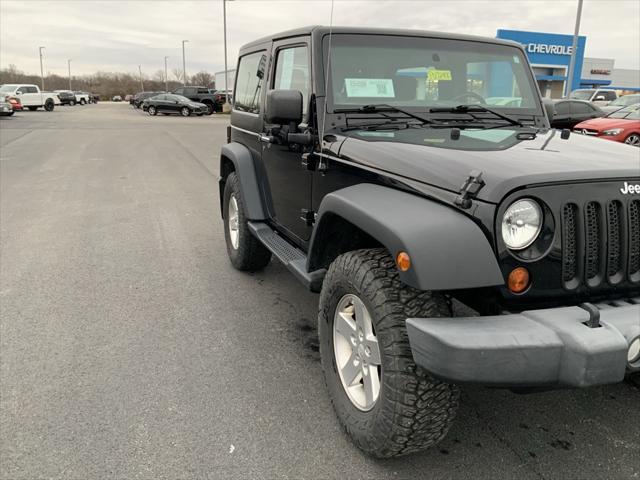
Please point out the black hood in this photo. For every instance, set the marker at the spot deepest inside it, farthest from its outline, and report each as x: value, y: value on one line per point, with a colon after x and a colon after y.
x: 431, y: 157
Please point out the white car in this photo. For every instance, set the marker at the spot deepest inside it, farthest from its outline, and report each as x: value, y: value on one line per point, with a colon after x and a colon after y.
x: 621, y: 102
x: 599, y: 96
x: 30, y: 96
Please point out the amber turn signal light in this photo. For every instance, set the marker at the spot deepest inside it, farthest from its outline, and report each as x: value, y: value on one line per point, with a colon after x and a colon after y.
x: 518, y: 280
x: 403, y: 261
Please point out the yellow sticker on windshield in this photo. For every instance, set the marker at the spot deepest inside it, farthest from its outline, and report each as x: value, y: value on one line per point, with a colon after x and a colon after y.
x: 436, y: 75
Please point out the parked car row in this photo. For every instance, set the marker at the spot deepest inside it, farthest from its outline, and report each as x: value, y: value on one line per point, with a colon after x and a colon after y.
x: 29, y: 96
x: 194, y: 99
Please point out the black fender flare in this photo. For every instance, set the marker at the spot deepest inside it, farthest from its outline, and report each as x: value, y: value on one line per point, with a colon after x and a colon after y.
x: 244, y: 167
x: 448, y: 250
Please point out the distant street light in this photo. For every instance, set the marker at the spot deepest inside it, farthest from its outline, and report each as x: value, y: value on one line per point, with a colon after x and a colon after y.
x: 572, y: 63
x: 69, y: 65
x: 141, y: 84
x: 226, y: 68
x: 41, y: 69
x: 166, y: 78
x: 184, y: 65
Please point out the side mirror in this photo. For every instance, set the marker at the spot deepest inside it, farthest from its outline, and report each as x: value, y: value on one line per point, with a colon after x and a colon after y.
x: 18, y: 92
x: 599, y: 97
x: 284, y: 107
x: 549, y: 108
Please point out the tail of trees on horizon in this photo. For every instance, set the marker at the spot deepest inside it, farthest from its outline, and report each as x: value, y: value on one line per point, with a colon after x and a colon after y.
x: 108, y: 84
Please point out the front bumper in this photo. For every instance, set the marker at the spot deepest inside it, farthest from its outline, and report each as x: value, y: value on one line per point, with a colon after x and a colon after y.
x: 549, y: 347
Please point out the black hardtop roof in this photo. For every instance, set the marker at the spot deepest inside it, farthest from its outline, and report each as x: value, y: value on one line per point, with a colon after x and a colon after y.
x: 322, y: 30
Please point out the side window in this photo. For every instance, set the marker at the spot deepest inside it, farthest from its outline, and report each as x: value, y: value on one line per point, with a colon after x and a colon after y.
x: 203, y: 90
x: 610, y: 96
x: 292, y: 72
x: 578, y: 107
x: 189, y: 91
x: 562, y: 108
x: 22, y: 90
x: 249, y: 82
x: 179, y: 91
x: 32, y: 90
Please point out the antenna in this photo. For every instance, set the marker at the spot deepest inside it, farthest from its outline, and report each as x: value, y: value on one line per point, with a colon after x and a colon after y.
x: 326, y: 78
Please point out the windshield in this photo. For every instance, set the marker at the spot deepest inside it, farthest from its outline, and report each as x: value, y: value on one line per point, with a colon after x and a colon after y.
x: 626, y: 100
x: 630, y: 113
x: 582, y: 94
x: 7, y: 88
x: 427, y: 72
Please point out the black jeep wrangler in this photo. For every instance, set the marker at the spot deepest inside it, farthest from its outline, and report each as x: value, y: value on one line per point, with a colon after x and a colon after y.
x: 412, y: 179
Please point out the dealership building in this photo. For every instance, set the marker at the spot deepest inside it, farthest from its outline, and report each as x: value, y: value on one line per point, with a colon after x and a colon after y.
x: 550, y: 54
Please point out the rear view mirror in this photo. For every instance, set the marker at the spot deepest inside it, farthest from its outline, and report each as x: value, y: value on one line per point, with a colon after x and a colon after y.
x: 284, y: 107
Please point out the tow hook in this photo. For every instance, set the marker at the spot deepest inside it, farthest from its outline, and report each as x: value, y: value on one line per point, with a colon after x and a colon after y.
x: 594, y: 315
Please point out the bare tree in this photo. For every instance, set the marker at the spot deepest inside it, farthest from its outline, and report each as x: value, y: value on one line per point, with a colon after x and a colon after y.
x: 203, y: 78
x: 177, y: 73
x: 159, y: 76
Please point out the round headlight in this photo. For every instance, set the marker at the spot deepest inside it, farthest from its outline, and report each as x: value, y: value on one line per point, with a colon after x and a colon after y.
x: 521, y: 224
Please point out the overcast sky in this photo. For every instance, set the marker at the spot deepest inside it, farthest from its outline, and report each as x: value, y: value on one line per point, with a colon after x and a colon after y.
x: 119, y: 35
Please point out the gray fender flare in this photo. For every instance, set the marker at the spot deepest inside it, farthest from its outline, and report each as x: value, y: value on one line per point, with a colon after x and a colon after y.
x: 242, y: 161
x: 448, y: 250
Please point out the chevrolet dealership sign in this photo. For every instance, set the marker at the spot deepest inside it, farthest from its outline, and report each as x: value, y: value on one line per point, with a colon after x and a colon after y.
x: 550, y: 49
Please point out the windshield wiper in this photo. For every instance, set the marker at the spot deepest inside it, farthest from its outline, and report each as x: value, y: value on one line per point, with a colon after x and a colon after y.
x: 470, y: 109
x: 381, y: 108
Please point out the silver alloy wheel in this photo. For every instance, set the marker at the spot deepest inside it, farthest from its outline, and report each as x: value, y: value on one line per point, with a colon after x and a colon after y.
x: 633, y: 139
x: 357, y: 353
x: 151, y: 110
x: 234, y: 231
x: 185, y: 112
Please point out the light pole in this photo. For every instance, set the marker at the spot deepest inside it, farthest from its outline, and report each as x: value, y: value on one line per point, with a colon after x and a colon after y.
x: 69, y: 65
x: 184, y: 65
x: 166, y: 79
x: 572, y: 63
x: 141, y: 84
x: 226, y: 68
x: 41, y: 69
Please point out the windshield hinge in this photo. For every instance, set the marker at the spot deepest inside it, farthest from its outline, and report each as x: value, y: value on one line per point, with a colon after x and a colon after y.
x: 470, y: 189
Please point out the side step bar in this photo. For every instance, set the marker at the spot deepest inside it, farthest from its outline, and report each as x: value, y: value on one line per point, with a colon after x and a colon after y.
x: 292, y: 257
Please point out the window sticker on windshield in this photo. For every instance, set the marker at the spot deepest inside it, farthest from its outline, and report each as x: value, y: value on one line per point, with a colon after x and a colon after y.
x: 369, y: 87
x: 377, y: 134
x: 287, y: 68
x: 516, y: 59
x: 495, y: 136
x: 435, y: 75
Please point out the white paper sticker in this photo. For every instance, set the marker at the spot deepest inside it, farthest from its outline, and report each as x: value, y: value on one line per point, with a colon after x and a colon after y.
x: 369, y: 87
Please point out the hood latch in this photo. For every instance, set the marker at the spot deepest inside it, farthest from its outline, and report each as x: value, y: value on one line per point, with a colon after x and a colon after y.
x: 469, y: 190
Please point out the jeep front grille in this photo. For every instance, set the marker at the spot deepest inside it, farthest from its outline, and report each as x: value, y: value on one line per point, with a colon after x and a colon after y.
x: 600, y: 242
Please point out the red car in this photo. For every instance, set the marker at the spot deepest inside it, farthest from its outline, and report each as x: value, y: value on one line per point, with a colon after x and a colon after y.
x: 15, y: 103
x: 620, y: 126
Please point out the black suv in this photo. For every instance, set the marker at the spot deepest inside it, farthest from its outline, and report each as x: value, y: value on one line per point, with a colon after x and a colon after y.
x: 452, y: 241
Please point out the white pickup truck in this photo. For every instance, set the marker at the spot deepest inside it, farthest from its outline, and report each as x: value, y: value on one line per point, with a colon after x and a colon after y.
x: 30, y: 96
x: 82, y: 98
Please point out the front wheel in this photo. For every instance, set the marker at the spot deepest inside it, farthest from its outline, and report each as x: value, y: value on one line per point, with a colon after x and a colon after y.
x: 152, y: 110
x: 72, y: 103
x: 386, y: 403
x: 633, y: 139
x: 49, y: 105
x: 210, y: 109
x: 83, y: 101
x: 245, y: 251
x: 185, y: 112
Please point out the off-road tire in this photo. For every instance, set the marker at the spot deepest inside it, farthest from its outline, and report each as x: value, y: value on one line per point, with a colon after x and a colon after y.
x: 251, y: 255
x: 49, y: 105
x: 414, y: 410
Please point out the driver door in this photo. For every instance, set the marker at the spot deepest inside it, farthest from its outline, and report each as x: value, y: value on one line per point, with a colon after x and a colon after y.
x: 288, y: 180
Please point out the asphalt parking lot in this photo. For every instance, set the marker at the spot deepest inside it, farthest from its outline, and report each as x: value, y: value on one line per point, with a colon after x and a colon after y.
x: 130, y: 348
